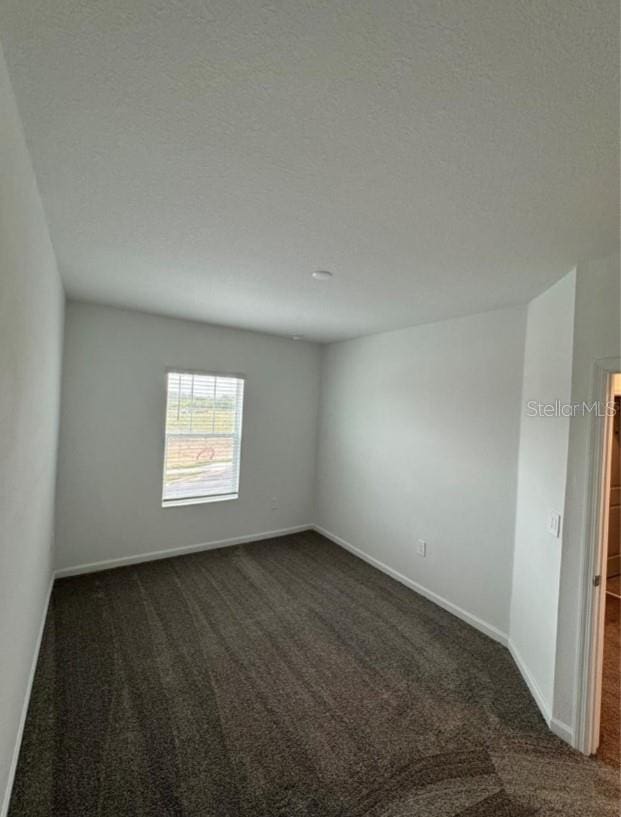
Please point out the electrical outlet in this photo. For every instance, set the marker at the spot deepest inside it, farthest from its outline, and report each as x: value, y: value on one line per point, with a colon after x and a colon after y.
x: 421, y: 547
x: 274, y: 504
x: 554, y: 524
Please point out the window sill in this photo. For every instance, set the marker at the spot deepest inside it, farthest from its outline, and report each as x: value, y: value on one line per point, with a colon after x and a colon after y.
x: 197, y: 500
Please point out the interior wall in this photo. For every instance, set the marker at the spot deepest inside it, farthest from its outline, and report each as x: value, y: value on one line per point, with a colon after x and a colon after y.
x: 418, y: 438
x: 542, y: 473
x: 31, y: 309
x: 597, y: 335
x: 112, y: 430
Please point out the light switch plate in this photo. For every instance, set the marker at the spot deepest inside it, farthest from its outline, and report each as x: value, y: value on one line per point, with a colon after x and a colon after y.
x: 554, y: 524
x: 421, y: 547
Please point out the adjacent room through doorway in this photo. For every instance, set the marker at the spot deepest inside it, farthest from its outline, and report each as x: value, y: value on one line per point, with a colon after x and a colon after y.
x: 610, y: 717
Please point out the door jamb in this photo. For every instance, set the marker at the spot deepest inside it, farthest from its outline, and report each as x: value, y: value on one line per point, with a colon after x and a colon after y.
x: 588, y: 701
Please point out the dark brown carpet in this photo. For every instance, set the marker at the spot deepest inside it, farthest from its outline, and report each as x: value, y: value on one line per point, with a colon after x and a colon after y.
x: 283, y: 678
x: 609, y: 750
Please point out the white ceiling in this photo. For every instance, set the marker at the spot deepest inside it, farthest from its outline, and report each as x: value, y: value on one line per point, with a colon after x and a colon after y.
x: 201, y: 159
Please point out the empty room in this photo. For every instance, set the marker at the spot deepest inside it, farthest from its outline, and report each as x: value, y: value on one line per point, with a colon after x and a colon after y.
x: 310, y: 362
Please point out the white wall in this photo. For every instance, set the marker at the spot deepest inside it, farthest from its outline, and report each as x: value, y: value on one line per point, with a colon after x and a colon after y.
x: 418, y: 437
x: 597, y: 335
x: 111, y: 442
x: 542, y: 473
x: 31, y: 307
x: 422, y: 432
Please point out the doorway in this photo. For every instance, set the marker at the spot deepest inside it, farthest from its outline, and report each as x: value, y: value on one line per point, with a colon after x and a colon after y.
x: 599, y: 726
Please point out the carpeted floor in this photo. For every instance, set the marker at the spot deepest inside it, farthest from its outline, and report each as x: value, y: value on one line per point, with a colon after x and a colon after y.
x: 285, y: 678
x: 609, y: 750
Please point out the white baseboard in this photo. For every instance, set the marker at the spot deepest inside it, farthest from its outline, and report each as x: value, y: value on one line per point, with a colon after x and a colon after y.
x: 563, y: 731
x: 22, y: 718
x: 105, y: 565
x: 532, y: 685
x: 476, y: 622
x: 122, y: 561
x: 558, y: 727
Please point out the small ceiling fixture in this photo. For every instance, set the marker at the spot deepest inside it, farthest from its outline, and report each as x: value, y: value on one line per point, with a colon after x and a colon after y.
x: 297, y: 337
x: 322, y: 275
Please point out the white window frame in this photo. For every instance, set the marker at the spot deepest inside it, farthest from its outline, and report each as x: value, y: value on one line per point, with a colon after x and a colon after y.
x: 200, y: 500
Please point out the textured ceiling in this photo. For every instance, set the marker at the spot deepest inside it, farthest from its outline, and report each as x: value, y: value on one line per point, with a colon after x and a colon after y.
x: 201, y: 159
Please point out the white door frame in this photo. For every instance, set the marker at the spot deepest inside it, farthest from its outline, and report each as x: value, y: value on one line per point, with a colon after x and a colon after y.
x: 588, y: 703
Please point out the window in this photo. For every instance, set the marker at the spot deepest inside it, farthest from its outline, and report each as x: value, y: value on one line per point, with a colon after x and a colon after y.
x: 203, y: 436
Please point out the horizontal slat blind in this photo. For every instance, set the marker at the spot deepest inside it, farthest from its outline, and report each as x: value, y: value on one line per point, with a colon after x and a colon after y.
x: 203, y: 436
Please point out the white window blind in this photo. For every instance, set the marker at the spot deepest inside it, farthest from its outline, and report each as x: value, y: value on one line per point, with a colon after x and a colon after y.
x: 203, y: 437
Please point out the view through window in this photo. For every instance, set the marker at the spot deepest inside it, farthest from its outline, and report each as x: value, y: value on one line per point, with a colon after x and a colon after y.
x: 203, y: 437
